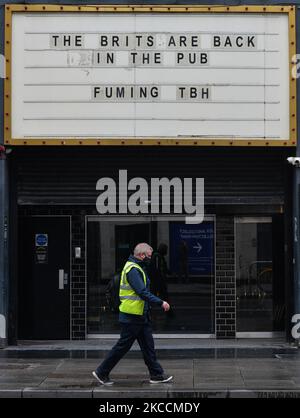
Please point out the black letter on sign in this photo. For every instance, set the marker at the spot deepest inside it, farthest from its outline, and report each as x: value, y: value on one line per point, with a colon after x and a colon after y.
x: 228, y: 41
x: 103, y: 40
x: 78, y: 40
x: 239, y: 41
x: 251, y: 40
x: 172, y: 41
x: 180, y: 57
x: 96, y: 91
x: 154, y: 92
x: 120, y: 92
x: 110, y: 58
x: 193, y: 93
x: 150, y: 40
x: 55, y: 37
x: 205, y: 92
x: 203, y: 58
x: 181, y: 89
x: 217, y: 41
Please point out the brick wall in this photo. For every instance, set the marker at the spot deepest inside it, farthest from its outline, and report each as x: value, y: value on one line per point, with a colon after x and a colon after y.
x: 78, y: 276
x: 225, y: 278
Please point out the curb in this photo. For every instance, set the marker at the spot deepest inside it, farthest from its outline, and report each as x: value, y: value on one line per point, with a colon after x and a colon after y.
x: 155, y: 394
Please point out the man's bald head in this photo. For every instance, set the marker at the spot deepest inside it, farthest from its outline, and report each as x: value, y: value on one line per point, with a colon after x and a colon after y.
x: 142, y: 250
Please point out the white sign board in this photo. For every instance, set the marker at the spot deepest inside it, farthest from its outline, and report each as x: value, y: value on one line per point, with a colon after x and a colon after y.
x: 142, y: 75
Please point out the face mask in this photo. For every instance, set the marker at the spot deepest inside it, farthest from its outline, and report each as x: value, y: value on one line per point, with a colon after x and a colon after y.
x: 147, y: 261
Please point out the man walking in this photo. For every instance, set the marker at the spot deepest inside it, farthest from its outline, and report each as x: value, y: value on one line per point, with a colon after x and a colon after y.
x: 134, y: 318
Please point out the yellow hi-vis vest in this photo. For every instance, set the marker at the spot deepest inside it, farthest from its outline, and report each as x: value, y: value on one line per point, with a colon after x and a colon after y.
x: 131, y: 303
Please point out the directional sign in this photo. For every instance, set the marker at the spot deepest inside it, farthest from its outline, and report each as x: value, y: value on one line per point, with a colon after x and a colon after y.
x: 198, y: 247
x: 192, y: 248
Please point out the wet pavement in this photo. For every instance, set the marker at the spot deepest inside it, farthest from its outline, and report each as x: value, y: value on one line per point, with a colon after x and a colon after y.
x: 202, y: 368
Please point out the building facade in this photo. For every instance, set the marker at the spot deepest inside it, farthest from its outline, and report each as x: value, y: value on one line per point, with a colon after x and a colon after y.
x: 233, y: 275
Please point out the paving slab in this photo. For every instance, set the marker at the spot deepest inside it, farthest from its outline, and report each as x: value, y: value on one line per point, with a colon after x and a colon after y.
x: 266, y: 384
x: 224, y: 385
x: 22, y: 380
x: 48, y: 393
x: 11, y: 393
x: 123, y: 393
x: 198, y: 394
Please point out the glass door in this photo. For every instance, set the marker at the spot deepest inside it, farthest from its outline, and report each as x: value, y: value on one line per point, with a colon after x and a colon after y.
x: 109, y: 244
x: 259, y: 288
x: 189, y: 281
x: 182, y: 271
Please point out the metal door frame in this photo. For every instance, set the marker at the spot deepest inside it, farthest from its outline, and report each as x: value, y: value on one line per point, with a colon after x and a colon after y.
x: 251, y: 219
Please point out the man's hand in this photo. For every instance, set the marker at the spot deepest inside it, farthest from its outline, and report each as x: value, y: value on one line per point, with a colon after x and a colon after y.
x: 165, y: 306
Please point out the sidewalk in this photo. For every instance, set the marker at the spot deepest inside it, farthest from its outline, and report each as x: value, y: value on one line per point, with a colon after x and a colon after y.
x: 234, y: 368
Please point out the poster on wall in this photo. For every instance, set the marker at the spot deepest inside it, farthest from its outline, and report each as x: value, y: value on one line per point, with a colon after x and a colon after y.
x: 192, y: 249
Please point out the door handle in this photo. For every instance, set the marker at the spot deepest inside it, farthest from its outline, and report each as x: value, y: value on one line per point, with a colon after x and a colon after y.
x: 61, y: 279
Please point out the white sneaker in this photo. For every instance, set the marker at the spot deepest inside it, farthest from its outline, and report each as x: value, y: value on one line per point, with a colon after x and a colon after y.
x: 161, y: 379
x: 104, y: 380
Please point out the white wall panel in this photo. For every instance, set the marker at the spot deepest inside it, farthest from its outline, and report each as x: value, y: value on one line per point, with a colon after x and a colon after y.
x: 246, y: 75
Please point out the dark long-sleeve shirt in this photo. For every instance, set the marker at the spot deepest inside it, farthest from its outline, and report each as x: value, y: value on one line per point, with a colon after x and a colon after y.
x: 136, y: 281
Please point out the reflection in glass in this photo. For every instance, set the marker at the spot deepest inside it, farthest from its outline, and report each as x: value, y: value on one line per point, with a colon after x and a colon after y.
x: 189, y: 272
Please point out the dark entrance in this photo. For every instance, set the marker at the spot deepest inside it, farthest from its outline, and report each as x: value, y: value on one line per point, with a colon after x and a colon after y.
x: 127, y: 236
x: 44, y: 278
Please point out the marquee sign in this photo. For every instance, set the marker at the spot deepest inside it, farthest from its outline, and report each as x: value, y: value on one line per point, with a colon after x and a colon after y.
x: 103, y: 75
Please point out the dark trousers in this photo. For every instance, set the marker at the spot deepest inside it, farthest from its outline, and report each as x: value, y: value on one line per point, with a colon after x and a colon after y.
x: 129, y: 333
